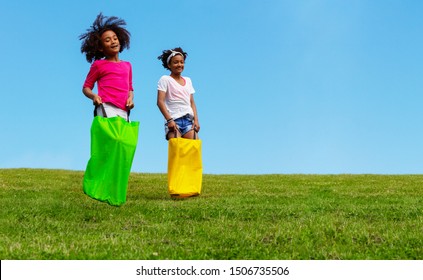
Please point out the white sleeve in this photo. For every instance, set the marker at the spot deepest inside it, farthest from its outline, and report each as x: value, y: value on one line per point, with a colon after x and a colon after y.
x: 190, y: 88
x: 162, y: 84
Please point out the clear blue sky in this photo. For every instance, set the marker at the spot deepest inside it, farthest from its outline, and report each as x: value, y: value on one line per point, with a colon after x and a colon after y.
x: 282, y: 86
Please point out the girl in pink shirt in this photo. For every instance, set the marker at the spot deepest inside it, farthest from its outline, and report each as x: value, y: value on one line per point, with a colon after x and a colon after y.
x: 113, y: 141
x: 102, y: 44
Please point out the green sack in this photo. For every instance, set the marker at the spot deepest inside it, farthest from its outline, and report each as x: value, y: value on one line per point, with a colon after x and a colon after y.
x: 113, y: 144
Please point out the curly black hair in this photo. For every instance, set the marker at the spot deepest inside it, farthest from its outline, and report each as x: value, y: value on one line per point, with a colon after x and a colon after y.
x: 91, y: 43
x: 165, y: 54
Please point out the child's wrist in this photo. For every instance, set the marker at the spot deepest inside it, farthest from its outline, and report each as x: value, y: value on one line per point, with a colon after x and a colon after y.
x: 169, y: 120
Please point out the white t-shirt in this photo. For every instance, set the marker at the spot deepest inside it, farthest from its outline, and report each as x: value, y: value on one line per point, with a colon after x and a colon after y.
x: 177, y: 96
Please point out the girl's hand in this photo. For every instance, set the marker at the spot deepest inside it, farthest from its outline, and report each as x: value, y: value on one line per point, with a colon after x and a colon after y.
x: 130, y: 103
x: 130, y: 100
x: 171, y: 125
x: 97, y: 100
x: 196, y: 126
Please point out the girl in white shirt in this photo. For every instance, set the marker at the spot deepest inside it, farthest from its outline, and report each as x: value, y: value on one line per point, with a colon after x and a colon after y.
x: 175, y: 97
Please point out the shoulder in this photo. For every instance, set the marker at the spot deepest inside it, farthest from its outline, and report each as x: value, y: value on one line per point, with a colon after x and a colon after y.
x: 99, y: 62
x: 188, y: 80
x: 164, y: 78
x: 126, y: 63
x: 163, y: 83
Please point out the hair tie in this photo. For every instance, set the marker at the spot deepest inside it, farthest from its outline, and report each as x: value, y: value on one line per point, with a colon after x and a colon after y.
x: 172, y: 55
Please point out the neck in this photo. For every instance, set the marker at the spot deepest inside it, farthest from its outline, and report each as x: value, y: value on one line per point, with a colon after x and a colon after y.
x: 176, y: 75
x: 114, y: 58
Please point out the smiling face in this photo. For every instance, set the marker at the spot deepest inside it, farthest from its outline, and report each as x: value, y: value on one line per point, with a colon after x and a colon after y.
x: 110, y: 43
x: 177, y: 64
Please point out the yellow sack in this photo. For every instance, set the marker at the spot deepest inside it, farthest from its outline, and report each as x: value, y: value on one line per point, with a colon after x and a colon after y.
x: 185, y: 168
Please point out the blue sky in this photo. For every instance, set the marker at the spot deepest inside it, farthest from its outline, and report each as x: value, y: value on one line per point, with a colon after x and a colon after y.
x: 282, y: 86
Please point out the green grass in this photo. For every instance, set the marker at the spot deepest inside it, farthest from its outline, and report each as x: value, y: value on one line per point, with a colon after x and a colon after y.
x: 45, y: 215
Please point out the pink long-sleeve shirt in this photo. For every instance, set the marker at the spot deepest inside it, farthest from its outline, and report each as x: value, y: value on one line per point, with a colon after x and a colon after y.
x: 114, y: 81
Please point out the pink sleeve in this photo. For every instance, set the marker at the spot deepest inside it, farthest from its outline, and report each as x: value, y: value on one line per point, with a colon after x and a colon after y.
x: 130, y: 78
x: 92, y: 77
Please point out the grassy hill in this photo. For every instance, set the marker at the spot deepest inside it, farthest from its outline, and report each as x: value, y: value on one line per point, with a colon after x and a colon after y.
x: 45, y: 215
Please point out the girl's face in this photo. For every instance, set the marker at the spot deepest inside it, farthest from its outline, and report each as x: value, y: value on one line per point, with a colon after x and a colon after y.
x: 110, y: 43
x: 176, y: 64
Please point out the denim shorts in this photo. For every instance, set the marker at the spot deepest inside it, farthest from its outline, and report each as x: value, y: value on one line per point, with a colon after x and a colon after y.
x: 184, y: 124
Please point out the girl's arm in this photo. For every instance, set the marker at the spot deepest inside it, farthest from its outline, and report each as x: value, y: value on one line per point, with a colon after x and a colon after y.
x: 91, y: 95
x: 161, y: 97
x: 130, y: 100
x: 194, y: 108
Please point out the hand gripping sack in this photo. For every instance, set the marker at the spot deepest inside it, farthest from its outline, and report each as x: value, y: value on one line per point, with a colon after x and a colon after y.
x: 185, y: 169
x: 113, y: 144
